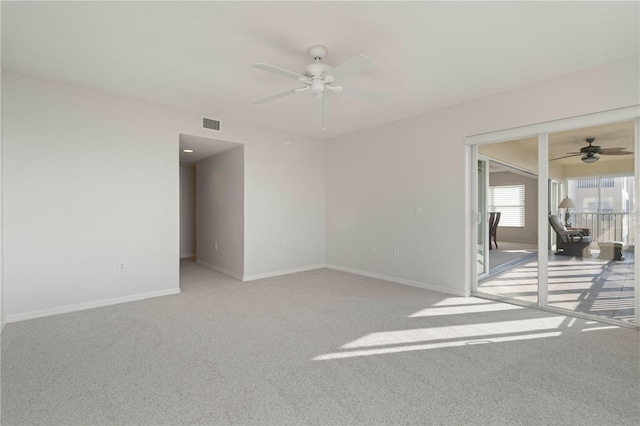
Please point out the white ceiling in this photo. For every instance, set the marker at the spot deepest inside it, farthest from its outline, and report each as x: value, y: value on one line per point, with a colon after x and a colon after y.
x: 201, y: 147
x: 198, y: 55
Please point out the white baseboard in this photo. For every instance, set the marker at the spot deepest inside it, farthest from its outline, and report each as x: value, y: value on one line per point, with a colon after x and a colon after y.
x: 401, y: 281
x: 89, y: 305
x: 282, y: 272
x: 184, y: 256
x: 219, y: 269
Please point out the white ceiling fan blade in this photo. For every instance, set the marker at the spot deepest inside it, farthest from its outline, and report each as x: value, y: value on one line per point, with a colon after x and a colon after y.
x: 366, y: 95
x: 276, y: 96
x: 276, y: 70
x: 351, y: 66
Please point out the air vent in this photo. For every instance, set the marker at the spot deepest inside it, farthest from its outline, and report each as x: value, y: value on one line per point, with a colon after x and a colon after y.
x: 211, y: 124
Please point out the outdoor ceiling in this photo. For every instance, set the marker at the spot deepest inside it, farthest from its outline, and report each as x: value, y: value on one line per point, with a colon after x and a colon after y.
x: 611, y: 135
x: 198, y: 55
x: 606, y: 136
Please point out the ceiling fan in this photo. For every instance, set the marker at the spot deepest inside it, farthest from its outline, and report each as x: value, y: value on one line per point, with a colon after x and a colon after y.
x: 590, y: 153
x: 321, y: 78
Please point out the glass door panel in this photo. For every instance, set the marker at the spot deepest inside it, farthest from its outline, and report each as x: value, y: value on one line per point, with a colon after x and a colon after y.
x: 483, y: 229
x: 510, y: 191
x: 599, y: 278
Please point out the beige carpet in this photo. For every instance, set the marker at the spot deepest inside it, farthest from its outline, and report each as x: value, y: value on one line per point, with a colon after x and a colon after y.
x: 320, y: 347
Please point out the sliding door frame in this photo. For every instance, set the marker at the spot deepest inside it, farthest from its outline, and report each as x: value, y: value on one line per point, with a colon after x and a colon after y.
x: 541, y: 131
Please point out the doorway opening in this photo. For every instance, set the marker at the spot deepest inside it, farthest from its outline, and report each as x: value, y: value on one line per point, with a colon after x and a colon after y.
x: 212, y: 204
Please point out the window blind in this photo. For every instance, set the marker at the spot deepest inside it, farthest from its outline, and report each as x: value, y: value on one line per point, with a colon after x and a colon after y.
x: 509, y: 201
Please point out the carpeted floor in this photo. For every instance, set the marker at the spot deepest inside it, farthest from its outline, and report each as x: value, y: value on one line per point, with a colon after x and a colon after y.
x: 319, y: 347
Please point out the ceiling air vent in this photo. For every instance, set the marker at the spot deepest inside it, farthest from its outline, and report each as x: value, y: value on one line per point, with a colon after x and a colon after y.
x: 211, y: 124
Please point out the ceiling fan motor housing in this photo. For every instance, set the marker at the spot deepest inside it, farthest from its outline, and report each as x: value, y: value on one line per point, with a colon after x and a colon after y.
x: 316, y: 70
x: 317, y: 52
x: 594, y: 149
x: 591, y: 149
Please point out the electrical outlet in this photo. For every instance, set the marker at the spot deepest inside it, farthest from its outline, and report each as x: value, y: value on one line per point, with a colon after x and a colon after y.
x: 122, y: 265
x: 215, y: 246
x: 418, y: 211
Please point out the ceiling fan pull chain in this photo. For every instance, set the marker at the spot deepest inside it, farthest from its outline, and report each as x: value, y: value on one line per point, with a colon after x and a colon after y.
x: 323, y: 112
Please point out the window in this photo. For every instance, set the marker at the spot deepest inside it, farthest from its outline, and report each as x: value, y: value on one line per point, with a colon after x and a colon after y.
x: 606, y: 194
x: 605, y: 182
x: 509, y: 201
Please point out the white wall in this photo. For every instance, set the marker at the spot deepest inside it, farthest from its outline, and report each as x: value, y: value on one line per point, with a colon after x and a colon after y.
x: 187, y: 211
x: 92, y: 178
x: 284, y: 207
x: 375, y: 178
x: 220, y: 211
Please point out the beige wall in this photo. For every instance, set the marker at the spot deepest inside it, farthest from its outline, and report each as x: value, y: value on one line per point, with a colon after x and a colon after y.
x: 529, y: 233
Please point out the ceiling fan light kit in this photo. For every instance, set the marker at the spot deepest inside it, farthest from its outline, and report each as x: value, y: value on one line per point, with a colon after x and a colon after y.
x: 590, y: 158
x: 320, y: 77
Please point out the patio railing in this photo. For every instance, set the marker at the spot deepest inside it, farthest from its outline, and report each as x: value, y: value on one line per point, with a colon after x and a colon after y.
x: 606, y: 226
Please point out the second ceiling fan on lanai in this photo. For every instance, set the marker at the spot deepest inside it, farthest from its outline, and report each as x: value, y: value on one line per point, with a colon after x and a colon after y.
x: 590, y: 153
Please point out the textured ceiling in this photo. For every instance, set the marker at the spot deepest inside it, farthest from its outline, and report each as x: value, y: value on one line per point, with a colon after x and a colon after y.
x: 561, y: 144
x: 198, y: 55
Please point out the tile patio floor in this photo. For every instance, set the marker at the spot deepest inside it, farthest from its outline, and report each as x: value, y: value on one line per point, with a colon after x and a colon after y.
x: 588, y: 285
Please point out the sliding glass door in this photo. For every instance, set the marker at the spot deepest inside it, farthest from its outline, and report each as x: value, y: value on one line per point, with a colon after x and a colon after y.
x: 509, y: 201
x: 590, y: 195
x: 601, y: 280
